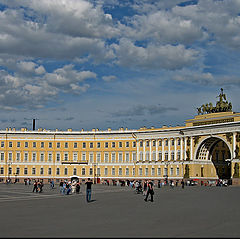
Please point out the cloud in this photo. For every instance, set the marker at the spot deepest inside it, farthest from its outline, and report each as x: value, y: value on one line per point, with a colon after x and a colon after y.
x: 141, y: 110
x: 154, y: 56
x: 109, y: 78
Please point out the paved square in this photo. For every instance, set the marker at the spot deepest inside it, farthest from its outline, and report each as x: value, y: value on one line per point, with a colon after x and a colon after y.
x: 118, y: 212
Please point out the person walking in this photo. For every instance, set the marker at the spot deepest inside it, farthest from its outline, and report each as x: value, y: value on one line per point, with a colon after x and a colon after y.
x: 35, y: 186
x: 89, y: 190
x: 145, y: 188
x: 78, y: 188
x: 182, y: 183
x: 61, y: 186
x: 149, y: 191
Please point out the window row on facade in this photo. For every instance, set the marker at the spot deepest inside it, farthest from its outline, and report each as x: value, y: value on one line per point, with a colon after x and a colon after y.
x: 67, y: 144
x: 99, y: 172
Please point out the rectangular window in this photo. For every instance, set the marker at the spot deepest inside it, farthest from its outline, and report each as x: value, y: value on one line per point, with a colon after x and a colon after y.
x: 98, y: 145
x: 141, y: 156
x: 33, y: 171
x: 10, y: 156
x: 140, y: 171
x: 172, y: 155
x: 91, y: 145
x: 171, y: 171
x: 147, y: 156
x: 83, y: 156
x: 127, y: 157
x: 160, y: 143
x: 42, y: 157
x: 172, y: 141
x: 120, y: 171
x: 26, y: 144
x: 65, y: 156
x: 166, y: 155
x: 9, y: 170
x: 33, y: 156
x: 127, y: 171
x: 106, y: 144
x: 41, y: 171
x: 25, y: 171
x: 90, y: 171
x: 58, y: 171
x: 66, y: 145
x: 91, y: 157
x: 18, y: 156
x: 153, y: 156
x: 98, y: 171
x: 177, y: 171
x: 83, y: 171
x: 165, y: 171
x: 154, y: 143
x: 105, y: 171
x: 2, y: 144
x: 178, y: 142
x: 50, y: 144
x: 159, y: 171
x: 75, y: 146
x: 105, y: 157
x: 49, y: 157
x: 134, y: 157
x: 146, y: 171
x: 160, y: 156
x: 134, y: 144
x: 65, y: 171
x: 120, y: 144
x: 84, y: 145
x: 10, y: 144
x: 49, y: 171
x: 113, y: 144
x: 127, y: 144
x: 25, y: 156
x: 18, y: 144
x: 120, y: 157
x: 153, y: 172
x: 113, y: 157
x: 58, y: 157
x: 133, y: 171
x: 178, y: 155
x: 98, y: 157
x: 75, y: 157
x: 2, y: 170
x: 141, y: 143
x: 2, y: 156
x: 42, y: 144
x: 17, y: 171
x: 74, y: 171
x: 34, y: 144
x: 58, y: 145
x: 147, y: 143
x: 166, y: 142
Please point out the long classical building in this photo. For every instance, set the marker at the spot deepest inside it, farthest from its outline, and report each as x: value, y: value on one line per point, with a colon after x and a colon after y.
x: 206, y: 148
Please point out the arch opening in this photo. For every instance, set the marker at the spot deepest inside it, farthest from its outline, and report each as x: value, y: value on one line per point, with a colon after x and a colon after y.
x: 217, y: 151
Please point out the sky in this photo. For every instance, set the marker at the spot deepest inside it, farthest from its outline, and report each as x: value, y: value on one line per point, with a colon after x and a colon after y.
x: 115, y: 63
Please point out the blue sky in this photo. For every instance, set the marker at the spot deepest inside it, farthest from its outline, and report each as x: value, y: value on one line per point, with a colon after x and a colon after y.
x: 99, y: 64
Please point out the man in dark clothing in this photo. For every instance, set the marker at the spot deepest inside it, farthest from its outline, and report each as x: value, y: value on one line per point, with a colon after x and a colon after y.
x: 88, y: 190
x: 182, y: 182
x: 149, y: 191
x: 35, y: 186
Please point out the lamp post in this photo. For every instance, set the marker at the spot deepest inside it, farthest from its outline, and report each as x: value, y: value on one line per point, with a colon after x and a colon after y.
x: 94, y: 172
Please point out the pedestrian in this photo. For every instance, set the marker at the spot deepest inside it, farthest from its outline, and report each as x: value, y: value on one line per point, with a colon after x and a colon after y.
x: 61, y: 186
x: 35, y: 186
x: 145, y: 188
x: 182, y: 182
x: 74, y: 185
x: 78, y: 188
x: 149, y: 191
x: 88, y: 189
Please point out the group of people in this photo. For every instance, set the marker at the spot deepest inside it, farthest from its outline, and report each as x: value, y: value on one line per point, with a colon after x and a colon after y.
x: 146, y: 189
x: 69, y: 187
x: 38, y: 186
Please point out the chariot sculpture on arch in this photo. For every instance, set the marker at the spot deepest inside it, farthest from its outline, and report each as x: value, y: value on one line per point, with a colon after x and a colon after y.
x: 222, y: 105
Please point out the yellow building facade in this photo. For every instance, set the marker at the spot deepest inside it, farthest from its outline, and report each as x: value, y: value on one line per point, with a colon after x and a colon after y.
x: 206, y: 148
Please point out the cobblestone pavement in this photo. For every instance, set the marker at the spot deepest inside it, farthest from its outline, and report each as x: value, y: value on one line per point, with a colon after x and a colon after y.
x: 118, y: 212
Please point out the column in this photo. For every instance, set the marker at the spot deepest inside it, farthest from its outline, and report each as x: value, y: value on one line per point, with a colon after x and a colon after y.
x: 150, y: 151
x: 144, y: 150
x: 181, y: 148
x: 175, y: 149
x: 163, y: 157
x: 185, y: 148
x: 156, y: 149
x: 191, y: 148
x: 137, y: 154
x: 234, y: 144
x: 169, y: 151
